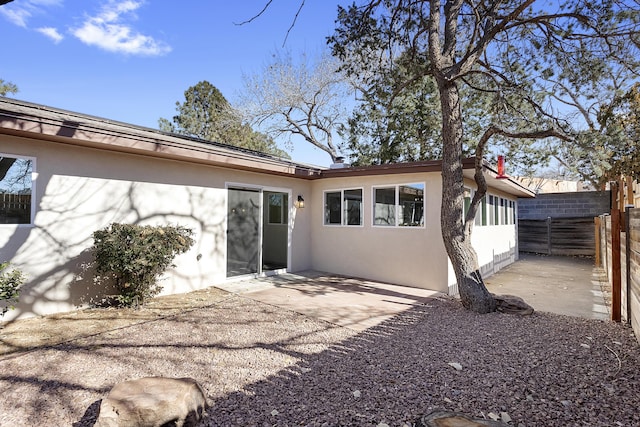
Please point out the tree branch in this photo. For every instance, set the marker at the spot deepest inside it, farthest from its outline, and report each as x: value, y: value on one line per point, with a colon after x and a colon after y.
x: 479, y: 163
x: 256, y: 16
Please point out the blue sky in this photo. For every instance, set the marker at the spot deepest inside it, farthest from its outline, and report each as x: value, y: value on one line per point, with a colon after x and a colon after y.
x: 131, y: 60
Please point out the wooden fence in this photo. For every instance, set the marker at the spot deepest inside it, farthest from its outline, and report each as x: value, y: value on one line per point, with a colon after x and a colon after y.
x: 15, y: 208
x: 627, y: 299
x: 557, y: 236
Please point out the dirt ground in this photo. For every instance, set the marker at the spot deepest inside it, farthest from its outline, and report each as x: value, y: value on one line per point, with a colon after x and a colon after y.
x: 544, y: 291
x: 262, y: 364
x: 43, y: 331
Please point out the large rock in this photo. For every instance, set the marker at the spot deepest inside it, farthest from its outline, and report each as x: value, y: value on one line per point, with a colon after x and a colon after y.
x: 153, y: 402
x: 455, y: 419
x: 512, y: 304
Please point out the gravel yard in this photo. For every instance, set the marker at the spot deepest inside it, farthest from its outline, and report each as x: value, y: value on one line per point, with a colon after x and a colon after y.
x: 263, y: 365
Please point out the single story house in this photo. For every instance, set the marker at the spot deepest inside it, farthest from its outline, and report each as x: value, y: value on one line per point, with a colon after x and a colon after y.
x: 68, y: 174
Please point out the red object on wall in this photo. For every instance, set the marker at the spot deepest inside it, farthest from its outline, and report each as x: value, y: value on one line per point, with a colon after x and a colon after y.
x: 501, y: 174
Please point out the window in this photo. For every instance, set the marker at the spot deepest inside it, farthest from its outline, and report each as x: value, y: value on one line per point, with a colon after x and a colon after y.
x: 401, y: 205
x: 468, y: 194
x: 343, y: 207
x: 384, y: 206
x: 16, y: 189
x: 278, y: 208
x: 499, y: 211
x: 353, y: 207
x: 505, y: 210
x: 491, y: 210
x: 513, y: 211
x: 481, y: 214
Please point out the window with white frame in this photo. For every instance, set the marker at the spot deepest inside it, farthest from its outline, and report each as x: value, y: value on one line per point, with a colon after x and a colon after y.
x: 399, y: 205
x: 16, y: 189
x: 468, y: 196
x: 343, y: 207
x: 278, y: 208
x: 495, y: 210
x: 511, y: 212
x: 498, y: 211
x: 481, y: 213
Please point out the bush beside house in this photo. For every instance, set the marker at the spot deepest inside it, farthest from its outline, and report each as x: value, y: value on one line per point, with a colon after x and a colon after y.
x: 10, y: 282
x: 134, y: 257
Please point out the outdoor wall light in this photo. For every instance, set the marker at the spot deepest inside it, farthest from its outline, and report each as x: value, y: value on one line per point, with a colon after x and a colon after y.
x: 300, y: 202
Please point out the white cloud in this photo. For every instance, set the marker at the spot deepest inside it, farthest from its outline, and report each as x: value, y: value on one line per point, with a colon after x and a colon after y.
x: 17, y: 16
x: 52, y: 33
x: 108, y: 31
x: 19, y: 12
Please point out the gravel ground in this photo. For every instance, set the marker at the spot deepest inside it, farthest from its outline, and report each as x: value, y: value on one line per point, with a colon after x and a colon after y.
x: 262, y: 365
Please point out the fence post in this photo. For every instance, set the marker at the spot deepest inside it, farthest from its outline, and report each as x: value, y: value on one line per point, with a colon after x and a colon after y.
x: 616, y: 272
x: 597, y: 242
x: 630, y: 196
x: 627, y: 284
x: 548, y: 235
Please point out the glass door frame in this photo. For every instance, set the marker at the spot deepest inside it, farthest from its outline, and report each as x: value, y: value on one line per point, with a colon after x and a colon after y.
x: 261, y: 189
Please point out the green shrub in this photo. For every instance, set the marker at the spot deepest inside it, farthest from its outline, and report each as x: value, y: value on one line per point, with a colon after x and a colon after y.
x: 10, y: 282
x: 135, y: 256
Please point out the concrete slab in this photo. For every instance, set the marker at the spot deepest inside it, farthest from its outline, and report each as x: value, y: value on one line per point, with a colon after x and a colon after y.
x: 562, y: 285
x: 349, y: 302
x: 556, y: 284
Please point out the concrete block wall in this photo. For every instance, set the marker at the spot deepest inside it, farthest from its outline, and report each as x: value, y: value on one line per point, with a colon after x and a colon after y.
x: 565, y: 205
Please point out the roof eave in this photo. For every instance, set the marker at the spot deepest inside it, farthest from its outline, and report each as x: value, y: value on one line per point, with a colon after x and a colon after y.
x: 36, y: 122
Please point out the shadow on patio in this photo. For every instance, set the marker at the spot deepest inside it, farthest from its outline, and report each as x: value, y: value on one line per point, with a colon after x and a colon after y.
x: 345, y: 301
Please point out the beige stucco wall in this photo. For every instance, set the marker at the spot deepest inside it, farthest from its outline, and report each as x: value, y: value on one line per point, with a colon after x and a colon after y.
x: 495, y: 245
x: 80, y: 190
x: 411, y: 256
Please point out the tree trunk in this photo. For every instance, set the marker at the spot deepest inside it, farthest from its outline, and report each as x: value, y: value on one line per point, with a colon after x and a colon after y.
x: 473, y: 293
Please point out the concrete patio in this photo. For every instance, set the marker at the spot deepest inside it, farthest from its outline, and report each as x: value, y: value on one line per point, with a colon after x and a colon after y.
x: 555, y: 284
x: 345, y: 301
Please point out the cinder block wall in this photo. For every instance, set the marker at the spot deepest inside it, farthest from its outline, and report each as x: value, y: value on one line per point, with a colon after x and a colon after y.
x: 565, y: 205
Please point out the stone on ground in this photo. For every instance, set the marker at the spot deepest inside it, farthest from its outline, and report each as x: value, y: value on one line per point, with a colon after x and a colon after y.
x: 153, y: 401
x: 454, y: 419
x: 512, y: 304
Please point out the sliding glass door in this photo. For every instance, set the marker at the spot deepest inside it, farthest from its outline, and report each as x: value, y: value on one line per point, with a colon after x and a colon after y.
x: 257, y: 231
x: 243, y: 232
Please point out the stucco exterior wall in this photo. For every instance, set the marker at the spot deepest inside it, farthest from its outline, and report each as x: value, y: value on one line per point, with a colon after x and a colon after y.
x: 496, y: 245
x: 79, y: 190
x: 411, y: 256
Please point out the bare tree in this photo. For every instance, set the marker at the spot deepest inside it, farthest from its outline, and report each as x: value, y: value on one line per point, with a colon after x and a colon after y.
x: 297, y: 99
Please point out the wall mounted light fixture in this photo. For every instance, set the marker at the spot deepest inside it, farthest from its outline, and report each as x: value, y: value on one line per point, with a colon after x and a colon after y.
x: 300, y: 202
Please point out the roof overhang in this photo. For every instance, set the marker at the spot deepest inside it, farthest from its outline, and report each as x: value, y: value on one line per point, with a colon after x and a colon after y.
x: 389, y: 169
x: 38, y: 122
x: 495, y: 181
x: 501, y: 182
